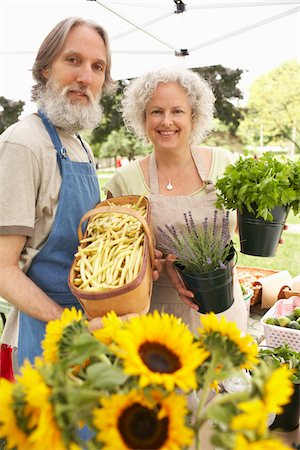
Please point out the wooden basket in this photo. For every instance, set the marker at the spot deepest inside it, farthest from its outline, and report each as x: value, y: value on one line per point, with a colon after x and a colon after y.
x: 133, y: 297
x: 255, y: 273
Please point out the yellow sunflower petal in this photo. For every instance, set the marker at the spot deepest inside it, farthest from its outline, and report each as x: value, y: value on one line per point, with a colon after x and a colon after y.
x: 54, y: 331
x: 160, y: 350
x: 9, y: 429
x: 247, y: 347
x: 273, y: 397
x: 111, y: 324
x: 241, y: 443
x: 254, y: 417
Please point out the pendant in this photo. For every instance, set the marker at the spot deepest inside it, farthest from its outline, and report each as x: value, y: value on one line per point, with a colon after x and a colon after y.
x: 169, y: 186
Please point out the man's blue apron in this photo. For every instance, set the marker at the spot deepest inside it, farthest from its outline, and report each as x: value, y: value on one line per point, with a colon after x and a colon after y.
x: 79, y: 192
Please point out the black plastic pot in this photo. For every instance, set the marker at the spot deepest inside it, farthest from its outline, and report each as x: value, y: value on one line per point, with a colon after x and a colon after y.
x: 288, y: 420
x: 260, y: 237
x: 213, y: 290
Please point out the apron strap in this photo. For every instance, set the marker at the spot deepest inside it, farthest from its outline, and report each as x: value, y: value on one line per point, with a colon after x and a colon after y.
x: 208, y: 184
x: 82, y: 143
x: 153, y: 176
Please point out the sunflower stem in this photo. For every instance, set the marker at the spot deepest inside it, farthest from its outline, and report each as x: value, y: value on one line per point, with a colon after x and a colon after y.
x: 200, y: 413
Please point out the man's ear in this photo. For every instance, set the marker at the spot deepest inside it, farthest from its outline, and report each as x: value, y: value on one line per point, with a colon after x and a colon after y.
x: 45, y: 73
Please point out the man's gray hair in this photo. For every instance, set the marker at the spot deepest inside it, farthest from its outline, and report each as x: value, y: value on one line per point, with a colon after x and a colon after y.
x: 52, y: 45
x: 200, y: 95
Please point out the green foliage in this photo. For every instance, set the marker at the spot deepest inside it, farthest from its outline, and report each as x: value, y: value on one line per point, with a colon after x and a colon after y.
x: 273, y: 107
x: 265, y: 182
x: 283, y: 354
x: 112, y: 119
x: 224, y: 83
x: 10, y: 112
x: 122, y: 143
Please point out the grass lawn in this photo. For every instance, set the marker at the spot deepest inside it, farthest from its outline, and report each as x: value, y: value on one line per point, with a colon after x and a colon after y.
x: 287, y: 256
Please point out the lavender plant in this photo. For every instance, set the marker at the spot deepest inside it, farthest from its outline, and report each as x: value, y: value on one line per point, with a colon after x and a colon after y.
x: 199, y: 248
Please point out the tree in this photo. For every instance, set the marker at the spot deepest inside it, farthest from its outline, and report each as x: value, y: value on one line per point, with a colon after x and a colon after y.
x: 9, y: 113
x: 273, y: 107
x: 112, y: 119
x: 224, y: 83
x: 121, y: 143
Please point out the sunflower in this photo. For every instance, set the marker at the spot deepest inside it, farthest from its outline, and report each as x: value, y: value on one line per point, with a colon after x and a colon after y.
x: 219, y: 336
x: 133, y: 421
x: 54, y: 333
x: 111, y: 324
x: 39, y: 409
x: 241, y: 443
x: 254, y: 416
x: 255, y: 412
x: 9, y: 429
x: 160, y: 350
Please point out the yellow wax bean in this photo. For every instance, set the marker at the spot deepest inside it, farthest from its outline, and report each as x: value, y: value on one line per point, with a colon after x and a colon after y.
x: 138, y: 262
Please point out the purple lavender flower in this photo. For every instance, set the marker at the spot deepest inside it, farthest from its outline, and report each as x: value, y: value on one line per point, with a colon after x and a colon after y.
x: 215, y: 222
x: 187, y: 222
x: 205, y: 225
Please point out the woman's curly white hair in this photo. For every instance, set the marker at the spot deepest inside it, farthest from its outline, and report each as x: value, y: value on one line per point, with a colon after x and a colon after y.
x: 138, y: 93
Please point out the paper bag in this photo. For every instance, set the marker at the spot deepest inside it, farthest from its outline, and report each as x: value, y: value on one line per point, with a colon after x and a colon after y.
x: 272, y: 286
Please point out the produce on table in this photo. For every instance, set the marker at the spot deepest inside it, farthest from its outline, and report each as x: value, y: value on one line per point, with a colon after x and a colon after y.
x: 288, y: 321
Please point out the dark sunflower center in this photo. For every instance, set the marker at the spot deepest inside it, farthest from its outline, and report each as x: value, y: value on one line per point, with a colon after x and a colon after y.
x: 140, y: 428
x: 159, y: 358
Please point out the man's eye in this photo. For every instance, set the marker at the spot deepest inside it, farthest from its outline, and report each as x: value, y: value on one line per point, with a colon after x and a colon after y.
x: 72, y: 59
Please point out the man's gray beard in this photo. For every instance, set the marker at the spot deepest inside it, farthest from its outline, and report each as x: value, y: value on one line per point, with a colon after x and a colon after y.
x: 68, y: 116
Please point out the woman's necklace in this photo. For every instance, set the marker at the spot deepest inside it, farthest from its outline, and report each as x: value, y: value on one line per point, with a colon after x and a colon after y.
x: 170, y: 186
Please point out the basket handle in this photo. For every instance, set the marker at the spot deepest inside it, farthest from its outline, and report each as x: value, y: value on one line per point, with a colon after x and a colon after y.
x: 119, y: 209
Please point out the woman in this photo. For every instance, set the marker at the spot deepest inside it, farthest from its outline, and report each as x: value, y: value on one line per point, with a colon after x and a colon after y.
x: 173, y: 109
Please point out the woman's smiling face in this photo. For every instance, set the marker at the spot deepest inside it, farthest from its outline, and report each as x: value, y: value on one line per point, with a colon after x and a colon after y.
x: 168, y: 119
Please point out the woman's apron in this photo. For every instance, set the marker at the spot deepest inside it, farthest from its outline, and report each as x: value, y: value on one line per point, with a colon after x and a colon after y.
x: 169, y: 210
x: 49, y: 269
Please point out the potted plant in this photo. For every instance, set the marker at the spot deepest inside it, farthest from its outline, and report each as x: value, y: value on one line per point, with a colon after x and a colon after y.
x: 288, y: 420
x: 204, y: 259
x: 262, y: 191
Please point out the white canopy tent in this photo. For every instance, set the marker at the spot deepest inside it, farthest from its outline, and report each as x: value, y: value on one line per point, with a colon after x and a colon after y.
x: 254, y: 36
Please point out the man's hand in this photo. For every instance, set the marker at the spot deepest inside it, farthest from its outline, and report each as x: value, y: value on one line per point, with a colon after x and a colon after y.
x: 178, y: 284
x: 96, y: 322
x: 281, y: 241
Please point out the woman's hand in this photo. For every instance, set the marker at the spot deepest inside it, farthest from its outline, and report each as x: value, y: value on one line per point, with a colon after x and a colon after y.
x: 158, y: 264
x: 177, y: 283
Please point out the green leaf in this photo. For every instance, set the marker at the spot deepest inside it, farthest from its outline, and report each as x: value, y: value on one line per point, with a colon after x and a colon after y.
x: 103, y: 376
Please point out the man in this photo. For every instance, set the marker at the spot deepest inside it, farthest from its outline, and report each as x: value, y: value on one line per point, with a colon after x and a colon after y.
x: 48, y: 178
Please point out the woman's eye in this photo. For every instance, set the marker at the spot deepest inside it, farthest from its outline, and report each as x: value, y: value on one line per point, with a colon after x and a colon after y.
x: 99, y: 67
x: 72, y: 59
x: 156, y: 112
x: 179, y: 111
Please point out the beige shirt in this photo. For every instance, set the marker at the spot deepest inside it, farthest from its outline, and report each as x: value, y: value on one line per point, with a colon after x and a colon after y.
x: 29, y: 190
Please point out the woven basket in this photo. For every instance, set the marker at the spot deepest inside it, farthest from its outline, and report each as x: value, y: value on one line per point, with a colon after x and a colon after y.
x: 255, y: 273
x: 133, y: 297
